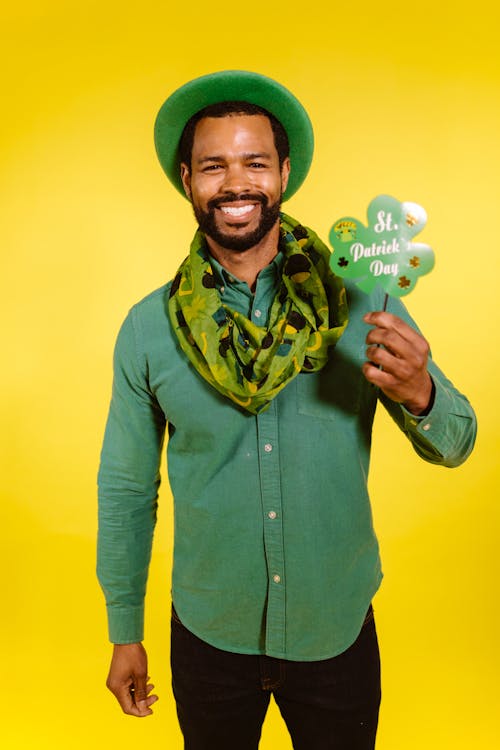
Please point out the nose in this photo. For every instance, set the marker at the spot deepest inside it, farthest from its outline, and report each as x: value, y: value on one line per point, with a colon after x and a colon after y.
x: 236, y: 179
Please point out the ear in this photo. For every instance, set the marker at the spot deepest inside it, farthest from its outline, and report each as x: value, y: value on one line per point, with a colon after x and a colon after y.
x: 285, y: 173
x: 186, y: 179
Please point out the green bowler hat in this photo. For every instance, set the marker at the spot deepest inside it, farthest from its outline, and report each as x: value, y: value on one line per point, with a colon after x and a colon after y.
x: 234, y: 85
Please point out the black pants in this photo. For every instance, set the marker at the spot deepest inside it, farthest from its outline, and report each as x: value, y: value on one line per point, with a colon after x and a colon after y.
x: 222, y: 698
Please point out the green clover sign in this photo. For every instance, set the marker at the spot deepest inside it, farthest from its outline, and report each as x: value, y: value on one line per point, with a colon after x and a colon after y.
x: 382, y: 253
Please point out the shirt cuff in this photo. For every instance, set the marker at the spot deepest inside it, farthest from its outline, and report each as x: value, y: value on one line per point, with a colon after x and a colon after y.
x: 433, y: 427
x: 126, y: 624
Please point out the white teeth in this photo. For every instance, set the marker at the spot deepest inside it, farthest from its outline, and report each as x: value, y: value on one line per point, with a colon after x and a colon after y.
x: 236, y: 211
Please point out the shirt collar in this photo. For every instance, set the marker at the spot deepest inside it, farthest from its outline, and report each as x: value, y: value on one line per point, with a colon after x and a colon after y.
x: 224, y: 278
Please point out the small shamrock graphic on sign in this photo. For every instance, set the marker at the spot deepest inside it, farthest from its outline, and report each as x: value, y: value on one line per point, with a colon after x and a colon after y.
x: 383, y: 252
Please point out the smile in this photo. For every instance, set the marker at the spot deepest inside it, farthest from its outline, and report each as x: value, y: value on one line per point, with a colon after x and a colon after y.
x: 237, y: 210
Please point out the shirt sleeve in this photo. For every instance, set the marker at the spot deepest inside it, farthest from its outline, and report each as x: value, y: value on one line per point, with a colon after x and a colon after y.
x: 128, y: 483
x: 447, y: 433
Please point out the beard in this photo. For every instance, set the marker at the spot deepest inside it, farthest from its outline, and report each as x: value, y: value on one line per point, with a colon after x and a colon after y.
x: 238, y: 244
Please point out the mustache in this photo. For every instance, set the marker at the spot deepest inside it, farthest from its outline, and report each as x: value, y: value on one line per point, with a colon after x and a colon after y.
x: 234, y: 197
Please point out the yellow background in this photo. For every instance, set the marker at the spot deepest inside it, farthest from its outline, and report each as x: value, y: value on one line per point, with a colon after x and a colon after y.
x: 405, y: 100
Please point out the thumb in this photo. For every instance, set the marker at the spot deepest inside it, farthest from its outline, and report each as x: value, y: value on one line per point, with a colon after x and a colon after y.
x: 139, y: 689
x: 141, y: 696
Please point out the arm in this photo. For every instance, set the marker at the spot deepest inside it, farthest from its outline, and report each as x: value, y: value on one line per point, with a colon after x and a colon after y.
x: 128, y: 489
x: 437, y: 419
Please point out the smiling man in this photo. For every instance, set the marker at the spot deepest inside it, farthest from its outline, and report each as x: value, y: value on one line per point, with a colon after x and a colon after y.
x: 260, y: 363
x: 234, y: 177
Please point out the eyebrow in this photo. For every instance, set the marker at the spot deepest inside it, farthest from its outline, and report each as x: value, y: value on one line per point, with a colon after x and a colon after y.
x: 247, y: 157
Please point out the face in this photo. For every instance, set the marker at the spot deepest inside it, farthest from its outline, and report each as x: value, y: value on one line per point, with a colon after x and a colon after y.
x: 235, y: 182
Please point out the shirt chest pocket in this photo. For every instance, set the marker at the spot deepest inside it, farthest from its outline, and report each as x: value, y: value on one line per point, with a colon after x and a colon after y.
x: 338, y: 387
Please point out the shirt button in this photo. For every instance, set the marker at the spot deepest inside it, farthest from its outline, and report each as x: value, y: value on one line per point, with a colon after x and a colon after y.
x: 222, y: 290
x: 276, y: 579
x: 268, y: 447
x: 257, y: 313
x: 426, y: 427
x: 272, y: 514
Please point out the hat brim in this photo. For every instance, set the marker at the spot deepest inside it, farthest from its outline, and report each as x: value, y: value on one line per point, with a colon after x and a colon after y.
x: 234, y: 85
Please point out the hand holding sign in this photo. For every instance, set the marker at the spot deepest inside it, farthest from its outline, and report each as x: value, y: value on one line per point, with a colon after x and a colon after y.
x: 397, y: 361
x: 382, y: 253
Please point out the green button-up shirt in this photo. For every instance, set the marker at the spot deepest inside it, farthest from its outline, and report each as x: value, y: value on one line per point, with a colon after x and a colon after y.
x: 275, y: 551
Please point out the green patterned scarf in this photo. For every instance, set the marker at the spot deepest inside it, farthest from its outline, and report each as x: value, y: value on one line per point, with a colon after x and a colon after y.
x: 251, y: 364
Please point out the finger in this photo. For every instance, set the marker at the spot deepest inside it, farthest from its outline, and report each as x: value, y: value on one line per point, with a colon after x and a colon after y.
x: 399, y: 367
x: 152, y: 698
x: 391, y: 322
x: 140, y: 694
x: 411, y: 341
x: 383, y: 380
x: 416, y: 395
x: 386, y: 382
x: 410, y: 346
x: 391, y: 341
x: 125, y: 697
x: 139, y: 707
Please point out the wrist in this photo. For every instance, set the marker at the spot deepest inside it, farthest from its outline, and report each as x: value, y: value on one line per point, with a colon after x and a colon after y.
x: 422, y: 405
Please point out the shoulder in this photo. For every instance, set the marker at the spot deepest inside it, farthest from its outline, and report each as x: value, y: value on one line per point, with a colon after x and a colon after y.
x: 146, y: 321
x: 151, y: 309
x: 153, y: 301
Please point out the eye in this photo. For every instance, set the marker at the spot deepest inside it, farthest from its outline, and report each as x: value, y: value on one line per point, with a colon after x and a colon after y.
x: 257, y: 165
x: 212, y: 167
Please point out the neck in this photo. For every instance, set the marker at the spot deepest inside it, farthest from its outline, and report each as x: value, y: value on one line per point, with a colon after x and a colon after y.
x: 247, y: 265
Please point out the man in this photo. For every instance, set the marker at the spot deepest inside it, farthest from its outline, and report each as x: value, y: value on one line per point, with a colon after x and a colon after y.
x: 263, y: 368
